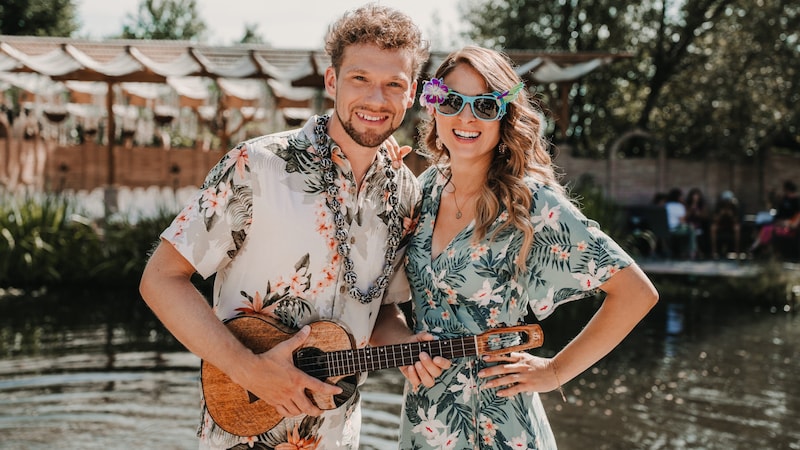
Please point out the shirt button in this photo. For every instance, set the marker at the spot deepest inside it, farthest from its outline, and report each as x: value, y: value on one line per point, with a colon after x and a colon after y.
x: 352, y: 239
x: 342, y: 289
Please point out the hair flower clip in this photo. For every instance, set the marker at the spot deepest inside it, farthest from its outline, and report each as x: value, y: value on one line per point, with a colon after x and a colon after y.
x: 434, y: 92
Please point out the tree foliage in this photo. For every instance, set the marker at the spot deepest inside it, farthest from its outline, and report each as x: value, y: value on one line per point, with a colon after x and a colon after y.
x: 707, y: 78
x: 251, y: 35
x: 165, y: 19
x: 37, y: 17
x: 744, y: 84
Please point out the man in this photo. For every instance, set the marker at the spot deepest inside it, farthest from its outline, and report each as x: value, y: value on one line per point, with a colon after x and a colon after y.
x: 300, y: 226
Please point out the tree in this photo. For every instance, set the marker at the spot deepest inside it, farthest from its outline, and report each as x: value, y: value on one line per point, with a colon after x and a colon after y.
x: 165, y: 19
x: 571, y: 26
x: 251, y: 35
x: 712, y: 78
x: 37, y: 18
x: 734, y: 98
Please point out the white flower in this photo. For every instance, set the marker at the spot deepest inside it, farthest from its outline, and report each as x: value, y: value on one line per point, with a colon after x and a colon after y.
x: 466, y: 385
x: 543, y: 305
x: 591, y: 279
x: 548, y: 217
x: 519, y: 442
x: 437, y: 278
x: 429, y: 427
x: 213, y: 202
x: 486, y: 294
x: 445, y: 441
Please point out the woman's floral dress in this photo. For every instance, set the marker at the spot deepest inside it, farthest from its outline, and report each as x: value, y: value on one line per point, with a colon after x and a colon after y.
x: 470, y: 288
x: 261, y: 224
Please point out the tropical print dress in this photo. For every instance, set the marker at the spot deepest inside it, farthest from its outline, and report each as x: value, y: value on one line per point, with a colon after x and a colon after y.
x: 261, y: 224
x: 470, y: 288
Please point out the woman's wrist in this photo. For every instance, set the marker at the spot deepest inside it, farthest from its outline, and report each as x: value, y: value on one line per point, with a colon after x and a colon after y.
x: 554, y: 366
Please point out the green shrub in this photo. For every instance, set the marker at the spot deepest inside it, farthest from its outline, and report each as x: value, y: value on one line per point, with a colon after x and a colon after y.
x: 591, y: 199
x: 45, y: 240
x: 128, y: 244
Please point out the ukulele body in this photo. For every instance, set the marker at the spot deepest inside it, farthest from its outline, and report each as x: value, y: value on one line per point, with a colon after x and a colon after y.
x: 239, y: 412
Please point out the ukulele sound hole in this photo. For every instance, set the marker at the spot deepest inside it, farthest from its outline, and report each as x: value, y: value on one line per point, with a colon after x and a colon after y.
x: 348, y: 385
x: 312, y: 361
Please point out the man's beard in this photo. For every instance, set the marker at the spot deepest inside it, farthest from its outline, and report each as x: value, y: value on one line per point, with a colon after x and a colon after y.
x: 368, y: 139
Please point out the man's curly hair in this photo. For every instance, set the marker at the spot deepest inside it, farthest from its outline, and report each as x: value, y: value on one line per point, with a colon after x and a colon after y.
x: 385, y: 27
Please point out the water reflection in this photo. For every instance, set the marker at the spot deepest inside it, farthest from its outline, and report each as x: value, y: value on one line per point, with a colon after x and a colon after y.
x: 84, y: 370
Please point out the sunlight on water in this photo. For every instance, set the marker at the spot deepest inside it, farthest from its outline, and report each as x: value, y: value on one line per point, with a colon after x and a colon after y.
x: 719, y: 379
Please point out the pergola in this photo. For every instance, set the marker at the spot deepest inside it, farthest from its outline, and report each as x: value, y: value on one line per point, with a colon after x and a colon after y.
x: 293, y: 78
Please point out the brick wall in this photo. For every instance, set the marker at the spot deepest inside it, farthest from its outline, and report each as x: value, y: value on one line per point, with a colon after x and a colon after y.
x: 633, y: 181
x: 636, y: 181
x: 86, y: 167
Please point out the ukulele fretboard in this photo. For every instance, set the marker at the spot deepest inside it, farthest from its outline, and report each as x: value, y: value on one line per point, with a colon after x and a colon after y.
x: 368, y: 359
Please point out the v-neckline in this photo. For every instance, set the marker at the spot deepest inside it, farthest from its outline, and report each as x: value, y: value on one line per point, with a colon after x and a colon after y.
x: 468, y: 227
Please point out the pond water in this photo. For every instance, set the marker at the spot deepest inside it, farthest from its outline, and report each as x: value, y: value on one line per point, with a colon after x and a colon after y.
x: 89, y: 370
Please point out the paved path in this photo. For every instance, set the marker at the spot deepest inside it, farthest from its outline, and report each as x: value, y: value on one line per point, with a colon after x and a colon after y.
x: 723, y: 268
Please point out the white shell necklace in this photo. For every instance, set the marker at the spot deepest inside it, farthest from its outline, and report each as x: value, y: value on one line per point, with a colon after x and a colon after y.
x: 323, y: 144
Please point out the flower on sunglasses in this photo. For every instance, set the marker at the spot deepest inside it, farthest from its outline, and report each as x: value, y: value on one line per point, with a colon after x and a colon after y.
x: 434, y: 92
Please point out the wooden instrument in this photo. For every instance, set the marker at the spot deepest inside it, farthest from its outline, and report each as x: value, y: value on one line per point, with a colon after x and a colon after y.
x: 329, y: 354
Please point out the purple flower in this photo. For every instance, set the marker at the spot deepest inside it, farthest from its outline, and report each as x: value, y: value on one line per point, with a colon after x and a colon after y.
x: 433, y: 92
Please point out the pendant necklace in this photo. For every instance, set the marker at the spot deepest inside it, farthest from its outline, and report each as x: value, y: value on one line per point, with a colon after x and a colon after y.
x: 331, y: 190
x: 455, y: 198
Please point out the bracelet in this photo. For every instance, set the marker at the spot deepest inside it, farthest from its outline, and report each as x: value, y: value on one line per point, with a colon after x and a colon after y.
x: 555, y: 372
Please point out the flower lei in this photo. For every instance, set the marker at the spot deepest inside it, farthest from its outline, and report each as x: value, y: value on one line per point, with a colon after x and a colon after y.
x: 343, y: 248
x: 434, y: 91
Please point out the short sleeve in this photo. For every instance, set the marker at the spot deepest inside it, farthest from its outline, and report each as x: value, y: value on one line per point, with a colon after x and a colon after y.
x: 571, y: 256
x: 210, y: 229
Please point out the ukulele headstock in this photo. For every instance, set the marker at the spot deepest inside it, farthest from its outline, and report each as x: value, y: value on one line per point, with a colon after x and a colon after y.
x: 523, y: 337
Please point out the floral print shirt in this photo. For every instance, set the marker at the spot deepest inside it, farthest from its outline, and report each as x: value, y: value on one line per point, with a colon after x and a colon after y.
x: 471, y: 287
x: 261, y: 224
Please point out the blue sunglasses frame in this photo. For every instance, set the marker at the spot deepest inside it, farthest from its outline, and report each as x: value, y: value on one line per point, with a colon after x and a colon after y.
x: 470, y: 100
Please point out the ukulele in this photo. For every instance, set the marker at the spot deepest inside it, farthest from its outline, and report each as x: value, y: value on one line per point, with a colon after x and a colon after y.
x: 329, y: 354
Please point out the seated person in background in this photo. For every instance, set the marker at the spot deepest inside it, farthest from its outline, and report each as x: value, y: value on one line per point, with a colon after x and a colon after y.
x: 697, y: 216
x: 678, y: 226
x: 725, y: 223
x: 659, y: 199
x: 786, y: 219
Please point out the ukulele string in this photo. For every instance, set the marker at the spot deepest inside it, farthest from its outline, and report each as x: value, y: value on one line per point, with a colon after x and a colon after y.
x: 346, y: 362
x: 363, y: 359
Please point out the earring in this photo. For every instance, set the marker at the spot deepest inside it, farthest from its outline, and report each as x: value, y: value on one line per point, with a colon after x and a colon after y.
x: 502, y: 148
x: 438, y: 144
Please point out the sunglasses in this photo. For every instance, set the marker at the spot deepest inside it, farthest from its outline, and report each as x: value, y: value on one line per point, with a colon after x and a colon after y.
x: 486, y: 107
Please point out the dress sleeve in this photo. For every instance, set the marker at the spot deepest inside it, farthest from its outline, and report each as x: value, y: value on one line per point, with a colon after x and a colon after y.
x: 212, y: 226
x: 570, y: 257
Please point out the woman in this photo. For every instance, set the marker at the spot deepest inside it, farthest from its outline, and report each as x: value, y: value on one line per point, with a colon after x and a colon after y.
x: 497, y: 236
x: 682, y: 234
x: 786, y: 219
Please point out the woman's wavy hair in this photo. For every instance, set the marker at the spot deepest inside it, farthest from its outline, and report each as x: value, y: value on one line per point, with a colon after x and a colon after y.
x: 526, y: 153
